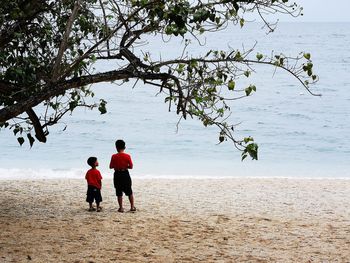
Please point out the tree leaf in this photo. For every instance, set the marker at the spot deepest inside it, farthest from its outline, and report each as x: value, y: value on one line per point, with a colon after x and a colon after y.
x: 102, y: 106
x: 252, y: 150
x: 259, y: 56
x: 231, y: 85
x: 248, y: 91
x: 31, y: 139
x: 20, y: 140
x: 307, y: 56
x: 241, y: 22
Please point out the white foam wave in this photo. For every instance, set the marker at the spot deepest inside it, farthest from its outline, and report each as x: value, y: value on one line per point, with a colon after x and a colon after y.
x: 34, y: 174
x: 79, y: 173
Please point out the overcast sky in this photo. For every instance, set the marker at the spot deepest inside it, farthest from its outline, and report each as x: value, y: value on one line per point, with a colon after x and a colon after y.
x: 322, y: 11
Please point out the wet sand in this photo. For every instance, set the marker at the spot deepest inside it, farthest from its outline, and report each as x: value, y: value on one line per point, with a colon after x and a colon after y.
x: 178, y: 220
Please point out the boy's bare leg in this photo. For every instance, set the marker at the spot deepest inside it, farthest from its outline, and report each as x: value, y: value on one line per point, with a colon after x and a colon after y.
x: 91, y: 208
x: 131, y: 199
x: 120, y: 202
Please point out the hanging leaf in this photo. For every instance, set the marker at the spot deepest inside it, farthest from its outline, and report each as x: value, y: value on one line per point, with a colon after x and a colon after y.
x: 102, y: 106
x: 307, y: 56
x: 231, y: 85
x: 20, y: 140
x: 241, y: 22
x: 31, y: 139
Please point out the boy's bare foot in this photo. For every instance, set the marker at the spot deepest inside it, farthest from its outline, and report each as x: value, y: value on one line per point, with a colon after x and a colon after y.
x: 121, y: 210
x: 99, y: 209
x: 133, y: 209
x: 92, y: 209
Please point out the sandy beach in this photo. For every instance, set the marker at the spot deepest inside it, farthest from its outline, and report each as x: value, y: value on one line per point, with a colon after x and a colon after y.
x: 178, y: 220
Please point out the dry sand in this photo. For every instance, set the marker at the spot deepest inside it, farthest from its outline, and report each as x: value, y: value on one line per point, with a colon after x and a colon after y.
x: 180, y: 220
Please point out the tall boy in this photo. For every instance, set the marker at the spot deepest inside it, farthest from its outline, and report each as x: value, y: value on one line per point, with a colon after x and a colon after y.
x: 121, y: 163
x: 93, y: 178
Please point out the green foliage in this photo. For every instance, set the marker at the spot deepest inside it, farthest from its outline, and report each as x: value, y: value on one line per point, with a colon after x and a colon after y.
x: 249, y: 90
x: 251, y: 150
x: 241, y: 22
x: 307, y: 56
x: 231, y: 85
x: 259, y: 56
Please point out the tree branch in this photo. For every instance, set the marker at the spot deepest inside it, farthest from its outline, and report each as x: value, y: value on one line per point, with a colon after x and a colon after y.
x: 63, y: 46
x: 49, y: 92
x: 39, y: 133
x: 230, y: 59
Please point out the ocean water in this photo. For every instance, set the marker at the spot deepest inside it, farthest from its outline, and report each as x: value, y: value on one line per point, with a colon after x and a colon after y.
x: 299, y: 135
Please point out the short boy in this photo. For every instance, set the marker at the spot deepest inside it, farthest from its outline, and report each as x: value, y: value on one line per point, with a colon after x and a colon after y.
x: 93, y: 178
x: 121, y: 163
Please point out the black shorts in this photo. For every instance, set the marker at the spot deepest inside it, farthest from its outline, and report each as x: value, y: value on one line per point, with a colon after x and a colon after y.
x: 122, y: 183
x: 93, y: 193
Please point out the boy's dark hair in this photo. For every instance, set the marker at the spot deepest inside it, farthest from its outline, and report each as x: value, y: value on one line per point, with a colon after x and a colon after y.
x: 120, y: 145
x: 91, y: 161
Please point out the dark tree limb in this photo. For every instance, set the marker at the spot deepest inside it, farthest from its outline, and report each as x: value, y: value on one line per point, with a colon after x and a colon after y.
x: 39, y: 132
x: 59, y: 88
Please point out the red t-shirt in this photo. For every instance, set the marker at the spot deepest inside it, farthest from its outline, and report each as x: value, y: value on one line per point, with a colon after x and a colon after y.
x: 93, y: 177
x: 121, y: 161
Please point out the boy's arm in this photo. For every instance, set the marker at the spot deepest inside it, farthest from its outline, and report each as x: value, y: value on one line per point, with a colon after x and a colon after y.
x: 99, y: 177
x: 111, y: 163
x: 131, y: 165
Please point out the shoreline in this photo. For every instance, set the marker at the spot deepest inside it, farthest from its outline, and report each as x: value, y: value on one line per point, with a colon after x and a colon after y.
x: 185, y: 171
x: 186, y: 178
x: 189, y: 220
